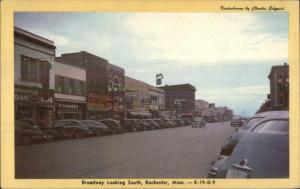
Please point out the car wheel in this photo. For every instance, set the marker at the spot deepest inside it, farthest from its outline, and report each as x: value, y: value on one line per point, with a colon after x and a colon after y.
x: 133, y: 129
x: 25, y: 140
x: 78, y: 134
x: 98, y: 132
x: 50, y: 136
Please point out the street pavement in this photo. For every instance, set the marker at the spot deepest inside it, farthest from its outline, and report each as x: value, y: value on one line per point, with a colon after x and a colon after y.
x: 182, y: 152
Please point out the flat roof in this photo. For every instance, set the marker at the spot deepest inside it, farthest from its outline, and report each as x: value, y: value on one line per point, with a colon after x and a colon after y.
x: 33, y: 37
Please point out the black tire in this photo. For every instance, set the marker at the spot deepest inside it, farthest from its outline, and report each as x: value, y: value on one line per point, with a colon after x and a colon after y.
x: 50, y: 137
x: 25, y: 140
x: 98, y: 132
x: 78, y: 134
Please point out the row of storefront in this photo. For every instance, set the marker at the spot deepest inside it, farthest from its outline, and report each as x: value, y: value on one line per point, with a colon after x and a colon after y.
x: 77, y: 85
x: 30, y: 104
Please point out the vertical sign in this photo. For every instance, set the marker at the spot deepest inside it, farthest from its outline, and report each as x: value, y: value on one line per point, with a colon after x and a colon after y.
x: 159, y: 78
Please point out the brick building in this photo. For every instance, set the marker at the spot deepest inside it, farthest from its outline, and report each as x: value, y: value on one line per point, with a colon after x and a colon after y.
x: 104, y: 84
x: 278, y: 98
x: 179, y: 98
x: 279, y: 87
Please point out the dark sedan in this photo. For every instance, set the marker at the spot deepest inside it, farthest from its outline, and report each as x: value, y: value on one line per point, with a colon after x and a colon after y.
x: 161, y: 123
x: 113, y: 125
x: 144, y: 125
x: 68, y: 128
x: 97, y: 128
x: 263, y: 152
x: 153, y: 123
x: 131, y: 125
x: 179, y: 122
x: 26, y: 133
x: 251, y: 122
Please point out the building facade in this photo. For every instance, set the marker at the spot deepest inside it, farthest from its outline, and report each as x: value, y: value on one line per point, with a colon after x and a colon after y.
x: 279, y: 87
x: 104, y: 84
x: 179, y: 98
x: 202, y: 108
x: 157, y: 98
x: 142, y: 99
x: 70, y: 91
x: 33, y: 60
x: 137, y: 98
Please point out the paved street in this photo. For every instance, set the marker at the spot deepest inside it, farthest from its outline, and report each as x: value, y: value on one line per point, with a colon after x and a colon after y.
x: 183, y: 152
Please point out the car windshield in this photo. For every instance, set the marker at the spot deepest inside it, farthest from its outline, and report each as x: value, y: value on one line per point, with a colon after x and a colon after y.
x: 273, y: 127
x: 250, y: 122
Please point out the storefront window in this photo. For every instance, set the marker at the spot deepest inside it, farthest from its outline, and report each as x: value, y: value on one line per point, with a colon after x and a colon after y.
x: 29, y: 69
x: 82, y: 87
x: 69, y: 86
x: 59, y: 84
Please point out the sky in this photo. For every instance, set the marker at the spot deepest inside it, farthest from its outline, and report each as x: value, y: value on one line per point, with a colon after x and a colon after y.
x: 226, y: 56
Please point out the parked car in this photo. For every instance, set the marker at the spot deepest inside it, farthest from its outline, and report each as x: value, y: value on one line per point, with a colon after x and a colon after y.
x: 113, y: 125
x: 26, y: 133
x: 153, y: 123
x: 162, y: 124
x: 68, y: 128
x: 131, y: 125
x: 169, y: 123
x: 198, y: 122
x: 144, y: 125
x: 232, y: 141
x: 263, y: 152
x: 97, y: 128
x: 179, y: 122
x: 187, y: 121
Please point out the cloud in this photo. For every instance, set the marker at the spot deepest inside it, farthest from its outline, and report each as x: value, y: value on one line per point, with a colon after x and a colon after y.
x: 235, y: 91
x: 202, y: 38
x: 59, y: 40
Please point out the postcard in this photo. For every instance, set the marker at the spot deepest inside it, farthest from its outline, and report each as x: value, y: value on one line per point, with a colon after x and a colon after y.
x: 150, y: 94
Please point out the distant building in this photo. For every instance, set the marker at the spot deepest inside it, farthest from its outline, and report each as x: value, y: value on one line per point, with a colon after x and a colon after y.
x: 202, y: 108
x: 279, y: 87
x: 179, y: 98
x: 33, y: 59
x: 157, y: 98
x: 142, y: 99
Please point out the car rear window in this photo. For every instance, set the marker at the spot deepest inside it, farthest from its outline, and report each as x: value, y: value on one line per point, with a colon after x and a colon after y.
x: 273, y: 127
x: 251, y: 122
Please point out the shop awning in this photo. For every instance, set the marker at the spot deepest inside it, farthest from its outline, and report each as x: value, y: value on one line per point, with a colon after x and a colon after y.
x: 139, y: 113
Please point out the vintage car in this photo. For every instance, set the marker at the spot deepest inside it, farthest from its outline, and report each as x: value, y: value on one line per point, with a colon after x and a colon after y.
x: 252, y: 121
x: 26, y: 133
x: 68, y: 128
x: 263, y: 152
x: 97, y: 128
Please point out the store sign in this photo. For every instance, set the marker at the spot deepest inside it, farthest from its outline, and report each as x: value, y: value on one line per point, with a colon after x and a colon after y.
x: 68, y: 106
x: 24, y: 97
x: 33, y: 98
x: 154, y: 107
